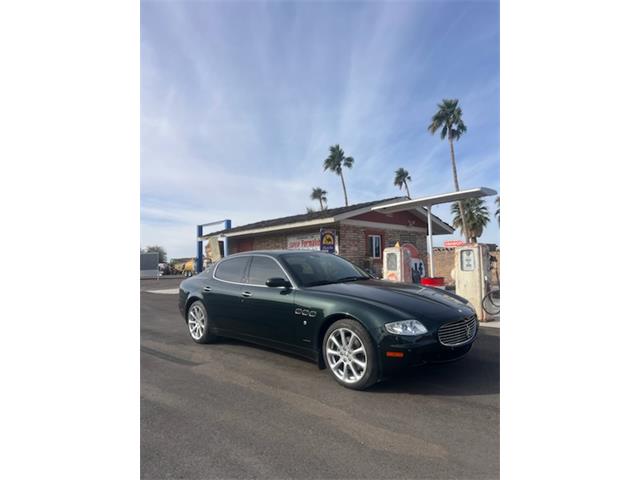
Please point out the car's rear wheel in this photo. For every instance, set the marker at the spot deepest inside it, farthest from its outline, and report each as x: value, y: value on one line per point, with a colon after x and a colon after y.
x: 199, y: 324
x: 350, y: 355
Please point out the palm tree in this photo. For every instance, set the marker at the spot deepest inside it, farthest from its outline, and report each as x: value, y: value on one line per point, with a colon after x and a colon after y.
x: 497, y: 214
x: 334, y: 162
x: 401, y: 180
x: 320, y: 195
x: 476, y: 217
x: 448, y: 119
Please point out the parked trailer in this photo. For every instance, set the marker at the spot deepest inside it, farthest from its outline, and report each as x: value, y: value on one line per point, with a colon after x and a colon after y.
x: 149, y: 265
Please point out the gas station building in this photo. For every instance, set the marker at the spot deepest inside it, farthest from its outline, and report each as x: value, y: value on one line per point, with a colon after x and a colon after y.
x: 362, y: 233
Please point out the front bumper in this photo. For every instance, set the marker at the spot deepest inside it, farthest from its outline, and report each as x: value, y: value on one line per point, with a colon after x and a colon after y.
x: 418, y: 350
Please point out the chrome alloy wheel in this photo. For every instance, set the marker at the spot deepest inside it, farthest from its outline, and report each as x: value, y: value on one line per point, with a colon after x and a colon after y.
x: 346, y: 355
x: 196, y: 321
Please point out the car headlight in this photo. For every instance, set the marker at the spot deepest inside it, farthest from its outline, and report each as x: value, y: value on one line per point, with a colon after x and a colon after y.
x: 406, y: 327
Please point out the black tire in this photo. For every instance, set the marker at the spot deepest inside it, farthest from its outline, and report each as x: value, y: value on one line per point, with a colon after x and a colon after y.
x: 202, y: 334
x: 370, y: 373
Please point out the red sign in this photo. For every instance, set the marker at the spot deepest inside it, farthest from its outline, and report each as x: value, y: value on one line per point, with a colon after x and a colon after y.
x: 453, y: 243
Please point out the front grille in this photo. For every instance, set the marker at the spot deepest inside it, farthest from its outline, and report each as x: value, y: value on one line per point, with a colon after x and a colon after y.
x: 458, y: 333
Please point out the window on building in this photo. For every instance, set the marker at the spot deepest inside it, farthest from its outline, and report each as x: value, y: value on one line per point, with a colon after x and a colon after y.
x: 233, y: 269
x: 374, y: 246
x: 262, y: 269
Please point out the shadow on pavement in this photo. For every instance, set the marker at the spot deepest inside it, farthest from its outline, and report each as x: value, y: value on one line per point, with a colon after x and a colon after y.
x: 478, y: 373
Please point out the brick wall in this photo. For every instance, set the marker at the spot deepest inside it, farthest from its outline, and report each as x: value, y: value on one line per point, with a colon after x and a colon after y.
x: 444, y: 261
x: 353, y: 243
x: 275, y: 240
x: 270, y: 242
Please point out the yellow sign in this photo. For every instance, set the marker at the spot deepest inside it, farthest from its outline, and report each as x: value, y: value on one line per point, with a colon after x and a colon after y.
x: 328, y: 240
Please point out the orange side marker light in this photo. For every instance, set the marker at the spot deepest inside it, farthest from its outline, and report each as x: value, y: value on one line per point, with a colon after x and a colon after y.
x: 395, y: 354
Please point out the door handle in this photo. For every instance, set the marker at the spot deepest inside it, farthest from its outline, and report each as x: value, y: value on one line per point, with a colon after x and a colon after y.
x: 207, y: 288
x: 246, y: 294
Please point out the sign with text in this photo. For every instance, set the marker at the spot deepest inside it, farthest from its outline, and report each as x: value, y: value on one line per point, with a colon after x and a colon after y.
x: 467, y: 260
x: 453, y: 243
x: 305, y: 241
x: 328, y: 240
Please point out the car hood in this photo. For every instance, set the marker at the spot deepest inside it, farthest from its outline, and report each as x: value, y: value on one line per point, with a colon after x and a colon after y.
x: 417, y: 300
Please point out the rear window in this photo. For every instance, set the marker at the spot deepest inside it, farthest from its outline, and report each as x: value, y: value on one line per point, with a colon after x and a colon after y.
x: 233, y: 270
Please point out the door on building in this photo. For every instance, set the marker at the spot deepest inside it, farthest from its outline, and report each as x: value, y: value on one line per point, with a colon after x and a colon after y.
x: 270, y: 312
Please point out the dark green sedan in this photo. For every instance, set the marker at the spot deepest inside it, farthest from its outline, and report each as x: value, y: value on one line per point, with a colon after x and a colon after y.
x: 323, y: 307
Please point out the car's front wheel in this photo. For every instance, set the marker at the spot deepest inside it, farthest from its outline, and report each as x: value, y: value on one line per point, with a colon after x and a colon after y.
x: 199, y: 324
x: 350, y: 355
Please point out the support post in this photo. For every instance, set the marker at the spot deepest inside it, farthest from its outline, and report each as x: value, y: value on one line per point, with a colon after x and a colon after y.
x: 199, y: 249
x: 225, y: 240
x: 430, y: 241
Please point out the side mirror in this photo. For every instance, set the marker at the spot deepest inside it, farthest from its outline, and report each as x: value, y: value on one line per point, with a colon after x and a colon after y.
x: 278, y: 282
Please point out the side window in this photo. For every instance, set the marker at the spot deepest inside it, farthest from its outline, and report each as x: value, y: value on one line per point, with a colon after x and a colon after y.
x: 262, y: 269
x: 374, y: 246
x: 301, y: 268
x: 232, y: 270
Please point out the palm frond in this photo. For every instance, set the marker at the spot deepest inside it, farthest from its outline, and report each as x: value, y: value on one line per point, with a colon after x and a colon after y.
x: 402, y: 175
x: 448, y: 119
x: 317, y: 193
x: 476, y: 215
x: 336, y: 160
x: 443, y: 133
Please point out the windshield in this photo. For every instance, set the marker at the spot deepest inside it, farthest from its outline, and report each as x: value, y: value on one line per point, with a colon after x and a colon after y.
x: 317, y: 268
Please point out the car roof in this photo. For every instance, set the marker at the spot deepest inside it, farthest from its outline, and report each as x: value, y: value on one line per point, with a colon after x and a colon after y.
x: 272, y: 253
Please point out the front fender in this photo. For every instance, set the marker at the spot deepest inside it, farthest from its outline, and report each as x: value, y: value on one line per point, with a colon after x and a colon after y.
x: 330, y: 308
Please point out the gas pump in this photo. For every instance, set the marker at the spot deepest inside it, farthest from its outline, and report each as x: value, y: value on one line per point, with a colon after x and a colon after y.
x: 402, y: 264
x: 472, y: 275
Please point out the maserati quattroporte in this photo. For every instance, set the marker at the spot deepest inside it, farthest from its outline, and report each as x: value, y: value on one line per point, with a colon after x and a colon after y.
x: 323, y: 307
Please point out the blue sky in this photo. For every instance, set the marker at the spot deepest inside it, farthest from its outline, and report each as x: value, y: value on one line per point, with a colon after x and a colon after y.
x: 240, y: 102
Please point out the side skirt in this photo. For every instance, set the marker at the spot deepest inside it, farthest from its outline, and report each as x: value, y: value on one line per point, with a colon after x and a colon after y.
x: 306, y: 353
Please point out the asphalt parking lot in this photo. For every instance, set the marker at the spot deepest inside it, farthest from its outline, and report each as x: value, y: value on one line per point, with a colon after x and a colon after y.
x: 232, y: 410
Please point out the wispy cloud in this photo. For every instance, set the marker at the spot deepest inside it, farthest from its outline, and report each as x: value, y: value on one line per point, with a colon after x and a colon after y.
x: 240, y: 102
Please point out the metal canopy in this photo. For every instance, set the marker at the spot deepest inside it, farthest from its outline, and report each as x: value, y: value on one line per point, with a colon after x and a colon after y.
x: 436, y: 199
x: 428, y: 202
